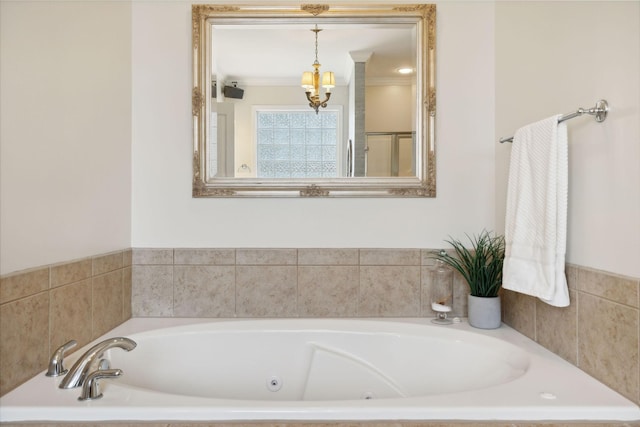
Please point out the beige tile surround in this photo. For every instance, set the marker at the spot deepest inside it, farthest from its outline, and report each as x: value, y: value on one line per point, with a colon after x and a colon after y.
x: 286, y: 283
x: 599, y: 332
x: 42, y: 308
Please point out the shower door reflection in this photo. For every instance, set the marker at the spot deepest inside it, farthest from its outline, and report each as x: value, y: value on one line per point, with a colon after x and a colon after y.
x: 390, y: 154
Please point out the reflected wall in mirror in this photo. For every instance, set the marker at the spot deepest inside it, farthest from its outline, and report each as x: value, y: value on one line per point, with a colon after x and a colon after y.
x: 261, y: 127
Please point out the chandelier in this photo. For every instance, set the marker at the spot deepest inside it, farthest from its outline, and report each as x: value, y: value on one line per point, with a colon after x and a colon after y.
x: 311, y: 81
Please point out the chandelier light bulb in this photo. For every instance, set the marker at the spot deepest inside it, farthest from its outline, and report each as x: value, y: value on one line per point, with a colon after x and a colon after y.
x: 405, y: 70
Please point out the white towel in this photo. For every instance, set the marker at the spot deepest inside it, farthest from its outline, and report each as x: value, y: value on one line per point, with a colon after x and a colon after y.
x: 536, y: 219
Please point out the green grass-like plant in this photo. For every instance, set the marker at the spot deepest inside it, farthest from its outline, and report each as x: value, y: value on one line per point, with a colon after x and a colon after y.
x: 480, y: 265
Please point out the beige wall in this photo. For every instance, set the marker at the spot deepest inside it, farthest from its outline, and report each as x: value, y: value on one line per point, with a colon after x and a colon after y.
x: 65, y: 135
x: 390, y: 109
x: 553, y: 57
x: 165, y: 215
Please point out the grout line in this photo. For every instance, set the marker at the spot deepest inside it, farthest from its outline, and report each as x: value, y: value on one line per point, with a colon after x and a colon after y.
x: 49, y: 315
x: 577, y: 325
x: 91, y: 317
x: 358, y: 295
x: 173, y: 283
x: 297, y: 283
x: 122, y: 294
x: 535, y: 320
x: 235, y: 283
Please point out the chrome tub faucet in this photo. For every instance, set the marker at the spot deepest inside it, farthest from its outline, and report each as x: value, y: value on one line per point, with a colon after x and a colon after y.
x: 56, y: 363
x: 89, y: 361
x: 90, y: 390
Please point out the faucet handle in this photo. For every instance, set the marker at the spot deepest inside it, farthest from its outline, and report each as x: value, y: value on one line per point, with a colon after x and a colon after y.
x: 56, y: 367
x: 90, y: 390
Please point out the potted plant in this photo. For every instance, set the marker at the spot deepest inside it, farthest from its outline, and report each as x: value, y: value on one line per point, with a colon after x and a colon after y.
x: 481, y: 267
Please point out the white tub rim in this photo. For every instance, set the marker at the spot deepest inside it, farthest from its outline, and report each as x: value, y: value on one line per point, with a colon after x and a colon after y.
x: 616, y: 407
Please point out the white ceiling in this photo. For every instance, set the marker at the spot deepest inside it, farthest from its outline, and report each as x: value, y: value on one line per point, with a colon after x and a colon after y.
x: 278, y: 54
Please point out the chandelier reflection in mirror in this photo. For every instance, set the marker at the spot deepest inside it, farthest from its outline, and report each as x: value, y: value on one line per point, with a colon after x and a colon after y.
x: 225, y: 133
x: 311, y: 81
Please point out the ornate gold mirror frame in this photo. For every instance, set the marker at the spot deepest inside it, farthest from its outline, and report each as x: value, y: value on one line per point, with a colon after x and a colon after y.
x: 421, y: 185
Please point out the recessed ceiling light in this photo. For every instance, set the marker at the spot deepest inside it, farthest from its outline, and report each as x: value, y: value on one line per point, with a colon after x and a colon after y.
x: 405, y: 70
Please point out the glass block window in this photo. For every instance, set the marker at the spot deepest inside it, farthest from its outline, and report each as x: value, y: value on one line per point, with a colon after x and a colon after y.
x: 297, y: 144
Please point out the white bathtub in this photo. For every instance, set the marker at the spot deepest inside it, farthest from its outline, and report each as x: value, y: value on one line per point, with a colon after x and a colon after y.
x: 324, y: 369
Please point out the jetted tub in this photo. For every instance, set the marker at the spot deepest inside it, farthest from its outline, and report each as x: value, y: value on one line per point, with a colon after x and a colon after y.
x: 324, y: 369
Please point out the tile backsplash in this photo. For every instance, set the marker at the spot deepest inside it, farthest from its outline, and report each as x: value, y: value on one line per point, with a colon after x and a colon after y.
x: 599, y: 332
x: 43, y: 308
x: 286, y: 283
x: 82, y: 299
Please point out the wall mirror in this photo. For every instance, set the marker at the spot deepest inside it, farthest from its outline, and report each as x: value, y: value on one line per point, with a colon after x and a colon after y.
x: 314, y: 100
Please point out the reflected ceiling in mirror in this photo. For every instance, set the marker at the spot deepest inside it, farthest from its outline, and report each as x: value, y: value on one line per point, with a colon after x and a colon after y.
x: 256, y: 133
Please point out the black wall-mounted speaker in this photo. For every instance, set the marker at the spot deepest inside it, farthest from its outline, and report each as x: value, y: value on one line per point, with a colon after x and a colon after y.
x: 233, y: 92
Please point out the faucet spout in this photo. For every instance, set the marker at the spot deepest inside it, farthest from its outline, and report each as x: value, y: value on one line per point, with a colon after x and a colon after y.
x: 88, y: 362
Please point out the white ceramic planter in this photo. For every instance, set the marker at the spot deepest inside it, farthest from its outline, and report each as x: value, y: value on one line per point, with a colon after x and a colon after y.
x: 484, y: 313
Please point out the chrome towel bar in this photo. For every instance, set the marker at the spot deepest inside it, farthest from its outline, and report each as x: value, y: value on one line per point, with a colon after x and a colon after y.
x: 599, y: 111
